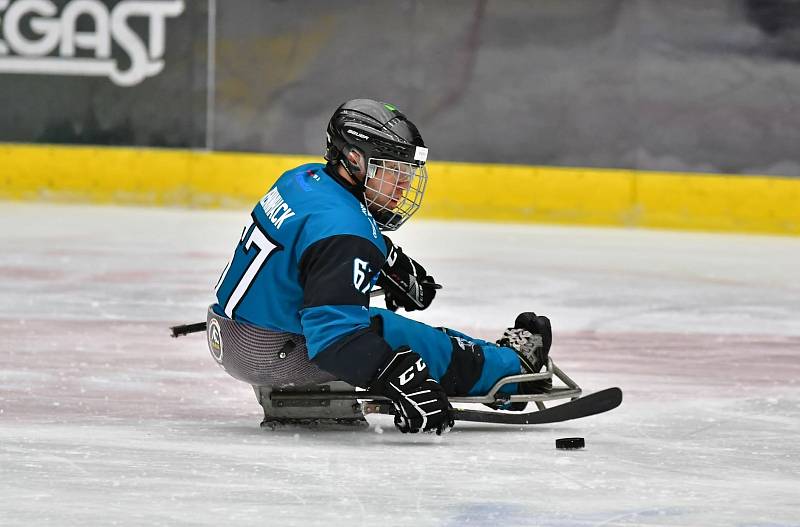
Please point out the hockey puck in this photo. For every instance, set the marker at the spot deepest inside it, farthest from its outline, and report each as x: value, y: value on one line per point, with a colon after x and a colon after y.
x: 570, y: 443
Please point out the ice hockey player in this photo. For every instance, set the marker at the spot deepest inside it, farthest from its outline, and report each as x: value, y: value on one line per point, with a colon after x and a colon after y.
x: 312, y: 251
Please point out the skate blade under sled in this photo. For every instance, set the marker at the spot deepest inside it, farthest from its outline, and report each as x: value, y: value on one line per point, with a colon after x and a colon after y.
x: 293, y: 391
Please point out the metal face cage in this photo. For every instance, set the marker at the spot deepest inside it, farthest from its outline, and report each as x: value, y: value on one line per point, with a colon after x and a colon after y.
x: 394, y: 191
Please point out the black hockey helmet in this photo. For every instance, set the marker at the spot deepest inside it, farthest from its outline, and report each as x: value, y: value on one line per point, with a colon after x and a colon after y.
x: 379, y: 130
x: 389, y: 142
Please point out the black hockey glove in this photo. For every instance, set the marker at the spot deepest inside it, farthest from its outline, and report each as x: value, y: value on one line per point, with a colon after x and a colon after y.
x: 405, y: 282
x: 420, y: 402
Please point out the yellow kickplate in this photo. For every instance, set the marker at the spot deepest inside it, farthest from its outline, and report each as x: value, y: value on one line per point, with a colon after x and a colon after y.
x: 457, y: 191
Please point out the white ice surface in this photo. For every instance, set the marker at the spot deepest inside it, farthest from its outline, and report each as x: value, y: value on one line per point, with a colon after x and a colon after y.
x: 105, y: 420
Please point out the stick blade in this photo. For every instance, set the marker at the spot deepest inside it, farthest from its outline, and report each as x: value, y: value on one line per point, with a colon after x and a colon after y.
x: 591, y: 404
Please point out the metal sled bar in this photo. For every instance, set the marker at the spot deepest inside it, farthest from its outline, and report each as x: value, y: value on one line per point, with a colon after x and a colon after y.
x: 571, y: 390
x: 281, y: 395
x: 565, y: 379
x: 553, y: 394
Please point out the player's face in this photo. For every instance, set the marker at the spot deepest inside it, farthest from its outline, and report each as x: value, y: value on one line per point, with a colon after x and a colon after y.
x: 386, y: 187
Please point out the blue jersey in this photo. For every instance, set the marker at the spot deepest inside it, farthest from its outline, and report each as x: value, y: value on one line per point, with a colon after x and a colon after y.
x: 305, y: 264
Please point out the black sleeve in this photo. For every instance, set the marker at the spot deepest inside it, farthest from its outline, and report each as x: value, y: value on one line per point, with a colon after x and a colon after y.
x: 356, y: 358
x: 338, y: 272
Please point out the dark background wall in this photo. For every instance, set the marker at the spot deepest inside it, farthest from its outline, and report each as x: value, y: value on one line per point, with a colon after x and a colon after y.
x: 710, y: 86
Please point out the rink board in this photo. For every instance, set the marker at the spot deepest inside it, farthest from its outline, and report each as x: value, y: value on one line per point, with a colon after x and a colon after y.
x: 460, y: 191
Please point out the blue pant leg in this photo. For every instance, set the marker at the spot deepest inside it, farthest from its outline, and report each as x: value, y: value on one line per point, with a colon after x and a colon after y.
x: 454, y: 333
x: 498, y: 358
x: 436, y: 349
x: 430, y: 343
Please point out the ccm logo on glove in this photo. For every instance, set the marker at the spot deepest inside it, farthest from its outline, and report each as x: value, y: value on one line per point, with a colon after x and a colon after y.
x: 408, y: 375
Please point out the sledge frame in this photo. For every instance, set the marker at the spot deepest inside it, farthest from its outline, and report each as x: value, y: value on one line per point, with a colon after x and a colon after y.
x: 340, y: 403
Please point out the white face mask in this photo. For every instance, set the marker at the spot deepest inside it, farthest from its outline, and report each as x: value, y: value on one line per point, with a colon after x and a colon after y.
x: 393, y: 191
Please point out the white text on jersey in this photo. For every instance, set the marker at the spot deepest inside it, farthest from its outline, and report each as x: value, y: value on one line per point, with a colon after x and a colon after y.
x: 275, y: 208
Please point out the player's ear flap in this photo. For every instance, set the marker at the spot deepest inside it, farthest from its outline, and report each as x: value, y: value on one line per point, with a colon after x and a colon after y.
x: 354, y: 156
x: 355, y: 162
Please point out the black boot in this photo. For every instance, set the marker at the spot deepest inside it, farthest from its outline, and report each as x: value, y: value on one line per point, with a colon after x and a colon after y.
x: 531, y: 338
x: 532, y: 343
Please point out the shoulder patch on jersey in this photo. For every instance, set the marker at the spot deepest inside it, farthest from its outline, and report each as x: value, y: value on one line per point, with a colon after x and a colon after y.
x: 300, y: 178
